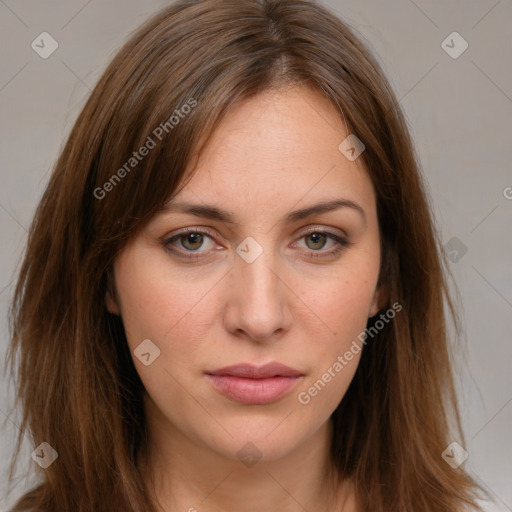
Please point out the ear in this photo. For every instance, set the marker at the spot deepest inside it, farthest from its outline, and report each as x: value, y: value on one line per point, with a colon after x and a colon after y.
x: 378, y: 301
x: 110, y: 296
x: 111, y: 303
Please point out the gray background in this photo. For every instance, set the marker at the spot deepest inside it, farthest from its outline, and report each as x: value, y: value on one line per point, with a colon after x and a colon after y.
x: 459, y: 111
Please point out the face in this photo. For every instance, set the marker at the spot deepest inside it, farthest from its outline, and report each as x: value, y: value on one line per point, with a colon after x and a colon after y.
x: 262, y: 285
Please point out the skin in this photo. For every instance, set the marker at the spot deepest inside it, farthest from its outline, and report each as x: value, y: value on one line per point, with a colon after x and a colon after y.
x: 272, y: 154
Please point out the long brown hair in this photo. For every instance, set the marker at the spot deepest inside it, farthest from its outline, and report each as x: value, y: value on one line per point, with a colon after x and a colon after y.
x: 77, y: 384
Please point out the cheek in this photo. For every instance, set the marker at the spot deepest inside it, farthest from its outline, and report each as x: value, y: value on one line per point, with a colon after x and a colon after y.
x: 335, y: 355
x: 162, y: 302
x: 157, y: 301
x: 343, y: 305
x: 173, y: 312
x: 343, y: 299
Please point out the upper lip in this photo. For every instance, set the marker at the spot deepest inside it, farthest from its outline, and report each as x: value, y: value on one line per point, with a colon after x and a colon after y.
x: 254, y: 372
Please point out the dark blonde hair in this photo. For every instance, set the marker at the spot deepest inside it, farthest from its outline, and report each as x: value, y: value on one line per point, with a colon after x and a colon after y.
x: 77, y: 384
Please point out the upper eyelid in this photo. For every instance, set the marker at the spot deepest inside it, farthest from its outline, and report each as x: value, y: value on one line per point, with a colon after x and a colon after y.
x: 214, y: 232
x: 208, y: 232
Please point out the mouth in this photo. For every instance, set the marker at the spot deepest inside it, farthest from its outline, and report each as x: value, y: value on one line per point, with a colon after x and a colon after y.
x: 248, y: 384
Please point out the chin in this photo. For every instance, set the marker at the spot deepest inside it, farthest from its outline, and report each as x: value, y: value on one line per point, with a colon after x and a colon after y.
x: 265, y: 441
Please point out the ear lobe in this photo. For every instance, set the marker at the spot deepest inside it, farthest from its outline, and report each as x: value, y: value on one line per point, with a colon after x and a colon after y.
x: 378, y: 301
x: 110, y: 295
x: 111, y: 304
x: 374, y: 308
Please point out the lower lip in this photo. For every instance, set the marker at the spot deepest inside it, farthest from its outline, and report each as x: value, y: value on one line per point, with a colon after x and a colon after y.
x: 253, y: 391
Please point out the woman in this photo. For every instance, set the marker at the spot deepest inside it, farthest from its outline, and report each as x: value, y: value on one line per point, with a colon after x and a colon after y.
x: 232, y: 295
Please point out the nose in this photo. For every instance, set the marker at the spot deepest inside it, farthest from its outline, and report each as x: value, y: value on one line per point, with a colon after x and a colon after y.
x: 258, y: 299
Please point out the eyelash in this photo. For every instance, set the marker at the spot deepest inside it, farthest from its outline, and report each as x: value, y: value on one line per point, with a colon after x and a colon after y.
x: 342, y: 243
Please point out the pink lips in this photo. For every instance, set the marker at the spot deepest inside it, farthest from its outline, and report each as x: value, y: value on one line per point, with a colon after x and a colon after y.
x: 252, y: 385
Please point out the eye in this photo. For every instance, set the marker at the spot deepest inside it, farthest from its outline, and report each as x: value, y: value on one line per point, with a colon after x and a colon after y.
x: 317, y: 239
x: 191, y: 240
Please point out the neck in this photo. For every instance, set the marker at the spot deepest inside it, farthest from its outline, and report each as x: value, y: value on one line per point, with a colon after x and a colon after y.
x: 183, y: 475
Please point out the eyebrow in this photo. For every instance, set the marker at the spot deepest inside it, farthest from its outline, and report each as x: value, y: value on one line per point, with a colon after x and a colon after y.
x: 215, y: 213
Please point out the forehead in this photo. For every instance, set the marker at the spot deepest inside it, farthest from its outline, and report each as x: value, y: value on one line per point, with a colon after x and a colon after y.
x: 274, y: 150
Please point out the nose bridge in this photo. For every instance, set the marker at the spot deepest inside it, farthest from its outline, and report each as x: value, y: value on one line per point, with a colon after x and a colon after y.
x: 254, y: 264
x: 258, y: 276
x: 258, y: 297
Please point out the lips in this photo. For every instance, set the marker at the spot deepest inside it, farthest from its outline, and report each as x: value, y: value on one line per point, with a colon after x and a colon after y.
x: 254, y: 372
x: 253, y: 385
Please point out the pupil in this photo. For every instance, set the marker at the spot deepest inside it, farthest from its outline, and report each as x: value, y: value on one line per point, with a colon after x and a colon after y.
x: 194, y: 237
x: 315, y: 236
